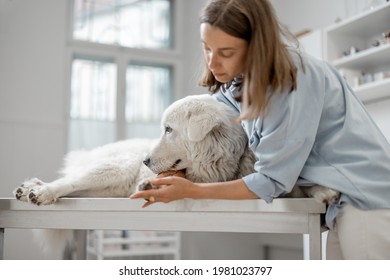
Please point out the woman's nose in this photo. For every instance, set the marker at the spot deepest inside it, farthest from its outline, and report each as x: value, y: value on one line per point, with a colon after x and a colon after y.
x: 212, y: 61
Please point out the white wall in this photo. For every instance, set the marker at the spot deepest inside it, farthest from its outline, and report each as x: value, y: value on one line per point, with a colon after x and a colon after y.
x: 32, y: 122
x: 192, y: 52
x: 32, y: 117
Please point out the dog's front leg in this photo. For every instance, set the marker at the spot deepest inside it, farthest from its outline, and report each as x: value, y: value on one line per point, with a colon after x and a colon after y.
x: 41, y: 193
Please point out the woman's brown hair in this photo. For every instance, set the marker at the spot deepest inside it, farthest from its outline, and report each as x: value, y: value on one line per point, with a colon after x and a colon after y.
x: 269, y: 66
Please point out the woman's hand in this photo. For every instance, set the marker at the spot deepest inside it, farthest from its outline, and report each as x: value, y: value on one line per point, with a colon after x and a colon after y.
x: 169, y: 189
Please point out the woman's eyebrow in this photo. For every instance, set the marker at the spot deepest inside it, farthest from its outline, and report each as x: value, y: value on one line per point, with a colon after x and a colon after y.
x: 224, y: 48
x: 227, y: 49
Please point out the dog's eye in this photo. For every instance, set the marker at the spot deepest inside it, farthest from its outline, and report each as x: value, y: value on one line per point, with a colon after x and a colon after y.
x: 168, y: 129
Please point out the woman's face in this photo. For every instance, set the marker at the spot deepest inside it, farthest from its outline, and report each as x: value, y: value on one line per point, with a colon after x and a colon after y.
x: 225, y: 54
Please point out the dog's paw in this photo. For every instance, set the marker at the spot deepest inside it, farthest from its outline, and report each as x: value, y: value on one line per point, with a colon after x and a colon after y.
x: 43, y: 196
x: 22, y: 192
x: 145, y: 185
x: 34, y: 191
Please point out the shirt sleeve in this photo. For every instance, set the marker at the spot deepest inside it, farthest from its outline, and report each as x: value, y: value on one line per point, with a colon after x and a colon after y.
x: 283, y: 139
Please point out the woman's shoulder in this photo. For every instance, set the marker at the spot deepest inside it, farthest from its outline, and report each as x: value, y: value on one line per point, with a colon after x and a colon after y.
x: 304, y: 60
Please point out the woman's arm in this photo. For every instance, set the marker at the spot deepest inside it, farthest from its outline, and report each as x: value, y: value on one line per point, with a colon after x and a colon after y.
x: 174, y: 188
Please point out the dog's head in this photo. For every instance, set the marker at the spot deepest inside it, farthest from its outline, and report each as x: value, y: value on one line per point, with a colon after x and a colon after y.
x: 192, y: 136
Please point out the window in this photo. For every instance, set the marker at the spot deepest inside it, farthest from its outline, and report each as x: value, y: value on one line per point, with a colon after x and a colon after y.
x: 130, y: 23
x: 122, y: 67
x: 148, y: 92
x: 147, y: 95
x: 93, y: 94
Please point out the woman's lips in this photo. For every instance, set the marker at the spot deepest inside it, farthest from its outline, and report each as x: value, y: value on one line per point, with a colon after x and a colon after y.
x: 219, y: 74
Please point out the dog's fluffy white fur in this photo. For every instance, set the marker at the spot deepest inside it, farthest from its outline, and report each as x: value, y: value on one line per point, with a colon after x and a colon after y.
x: 199, y: 135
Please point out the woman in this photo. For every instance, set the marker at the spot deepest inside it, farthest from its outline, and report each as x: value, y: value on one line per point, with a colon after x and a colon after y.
x: 304, y: 124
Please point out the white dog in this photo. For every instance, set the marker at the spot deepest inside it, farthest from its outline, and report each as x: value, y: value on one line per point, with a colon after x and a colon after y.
x: 199, y: 138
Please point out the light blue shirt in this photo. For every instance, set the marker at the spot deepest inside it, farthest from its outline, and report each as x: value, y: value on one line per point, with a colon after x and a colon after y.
x: 318, y: 134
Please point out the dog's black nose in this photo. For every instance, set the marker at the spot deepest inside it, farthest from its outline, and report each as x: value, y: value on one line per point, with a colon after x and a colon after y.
x: 147, y: 161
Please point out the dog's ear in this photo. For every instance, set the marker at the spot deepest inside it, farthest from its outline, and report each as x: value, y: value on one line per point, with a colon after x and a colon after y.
x: 200, y: 125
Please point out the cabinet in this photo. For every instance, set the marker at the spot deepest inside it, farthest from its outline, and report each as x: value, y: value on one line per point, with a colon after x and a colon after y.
x: 360, y: 48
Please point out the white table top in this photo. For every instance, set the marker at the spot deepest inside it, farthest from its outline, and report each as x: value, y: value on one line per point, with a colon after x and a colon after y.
x: 282, y: 215
x: 303, y: 205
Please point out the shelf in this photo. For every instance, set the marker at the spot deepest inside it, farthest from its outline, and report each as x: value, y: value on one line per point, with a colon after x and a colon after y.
x: 112, y: 244
x: 361, y: 25
x: 360, y: 31
x: 366, y: 59
x: 374, y: 91
x: 127, y: 241
x: 135, y: 253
